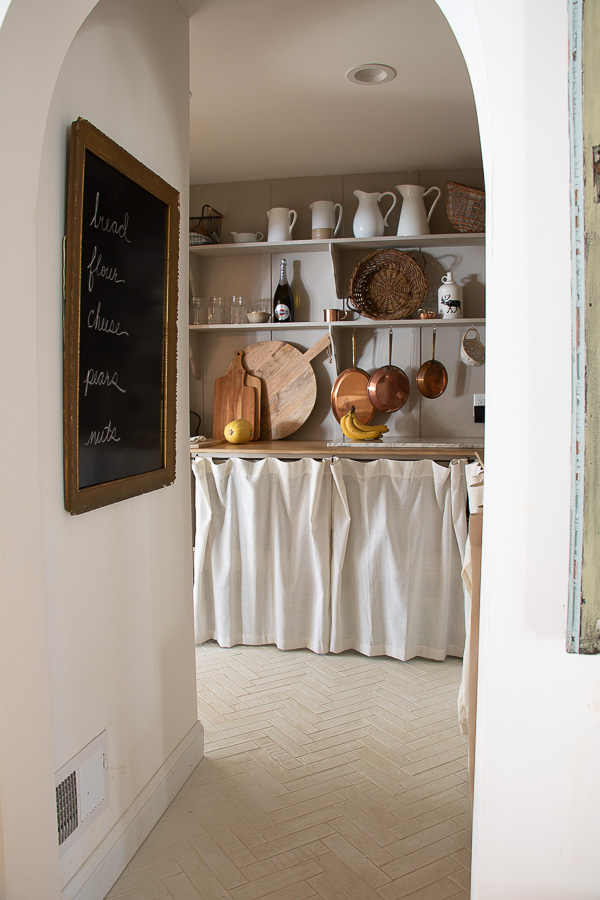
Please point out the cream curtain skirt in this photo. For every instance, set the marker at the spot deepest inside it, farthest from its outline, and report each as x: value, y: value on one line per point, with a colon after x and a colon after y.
x: 331, y: 555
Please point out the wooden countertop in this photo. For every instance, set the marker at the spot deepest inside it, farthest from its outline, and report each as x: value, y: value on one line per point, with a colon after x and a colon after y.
x: 391, y: 449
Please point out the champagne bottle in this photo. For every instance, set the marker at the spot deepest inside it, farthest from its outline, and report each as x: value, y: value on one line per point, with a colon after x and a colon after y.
x: 283, y: 299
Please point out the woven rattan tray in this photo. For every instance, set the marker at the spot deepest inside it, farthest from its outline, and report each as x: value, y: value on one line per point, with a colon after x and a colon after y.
x: 387, y: 284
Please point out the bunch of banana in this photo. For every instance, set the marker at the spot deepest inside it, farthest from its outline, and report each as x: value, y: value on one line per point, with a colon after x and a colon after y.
x: 356, y: 431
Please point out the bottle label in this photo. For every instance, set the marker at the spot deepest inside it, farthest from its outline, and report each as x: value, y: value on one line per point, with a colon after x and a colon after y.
x: 282, y: 312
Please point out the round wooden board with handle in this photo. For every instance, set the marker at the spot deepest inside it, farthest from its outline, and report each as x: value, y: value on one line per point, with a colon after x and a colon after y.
x: 288, y: 384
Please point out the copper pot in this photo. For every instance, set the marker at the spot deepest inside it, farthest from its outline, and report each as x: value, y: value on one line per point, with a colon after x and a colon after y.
x: 432, y: 377
x: 389, y: 386
x: 350, y: 390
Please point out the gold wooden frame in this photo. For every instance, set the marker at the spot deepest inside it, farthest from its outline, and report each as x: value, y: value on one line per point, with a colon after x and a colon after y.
x: 89, y: 145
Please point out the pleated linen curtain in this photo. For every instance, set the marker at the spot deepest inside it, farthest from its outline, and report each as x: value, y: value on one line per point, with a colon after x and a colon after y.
x: 399, y: 531
x: 262, y: 553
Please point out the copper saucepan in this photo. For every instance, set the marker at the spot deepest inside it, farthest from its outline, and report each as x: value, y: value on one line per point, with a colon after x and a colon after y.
x: 432, y: 377
x: 389, y: 386
x: 350, y: 390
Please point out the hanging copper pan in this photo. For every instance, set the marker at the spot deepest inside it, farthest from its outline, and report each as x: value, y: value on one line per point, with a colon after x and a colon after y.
x: 389, y: 386
x: 350, y: 389
x: 432, y: 377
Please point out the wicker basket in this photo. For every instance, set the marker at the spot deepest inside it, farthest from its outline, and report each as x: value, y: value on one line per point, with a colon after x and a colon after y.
x: 206, y: 229
x: 387, y: 284
x: 465, y: 207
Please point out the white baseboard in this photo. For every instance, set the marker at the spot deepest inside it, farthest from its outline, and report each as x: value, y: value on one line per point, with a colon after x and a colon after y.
x: 100, y: 871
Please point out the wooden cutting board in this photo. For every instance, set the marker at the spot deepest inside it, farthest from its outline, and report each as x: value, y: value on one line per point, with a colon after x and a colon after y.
x: 289, y: 386
x: 252, y: 381
x: 234, y: 399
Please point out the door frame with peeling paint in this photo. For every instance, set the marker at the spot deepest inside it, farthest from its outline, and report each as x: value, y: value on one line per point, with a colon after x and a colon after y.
x: 583, y: 634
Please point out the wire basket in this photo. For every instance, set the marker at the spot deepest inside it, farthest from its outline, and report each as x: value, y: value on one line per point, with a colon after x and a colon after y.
x: 206, y: 229
x: 387, y: 284
x: 465, y: 207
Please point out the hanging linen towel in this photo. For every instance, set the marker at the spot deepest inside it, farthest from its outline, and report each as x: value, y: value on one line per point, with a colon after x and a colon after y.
x: 262, y: 553
x: 466, y: 694
x: 399, y: 531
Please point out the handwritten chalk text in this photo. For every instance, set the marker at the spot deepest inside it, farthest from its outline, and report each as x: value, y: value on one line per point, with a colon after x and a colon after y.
x: 95, y: 267
x: 99, y: 323
x: 102, y: 379
x: 107, y: 434
x: 109, y: 225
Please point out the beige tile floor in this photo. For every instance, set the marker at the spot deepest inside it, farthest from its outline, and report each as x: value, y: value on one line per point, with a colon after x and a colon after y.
x: 330, y: 777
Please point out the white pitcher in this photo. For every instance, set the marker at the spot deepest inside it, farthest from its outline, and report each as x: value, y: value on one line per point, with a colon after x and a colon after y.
x: 414, y: 218
x: 324, y: 222
x: 368, y: 221
x: 281, y: 223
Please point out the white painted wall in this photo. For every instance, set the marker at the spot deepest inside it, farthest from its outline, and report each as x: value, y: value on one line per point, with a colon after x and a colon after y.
x: 96, y: 609
x: 538, y: 738
x: 535, y: 833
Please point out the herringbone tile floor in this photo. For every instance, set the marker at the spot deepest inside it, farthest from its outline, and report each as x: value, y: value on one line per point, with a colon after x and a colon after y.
x: 329, y: 777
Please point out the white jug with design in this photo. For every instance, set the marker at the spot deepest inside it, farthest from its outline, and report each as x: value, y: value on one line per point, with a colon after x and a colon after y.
x: 450, y: 296
x: 368, y: 221
x: 281, y: 223
x: 414, y: 218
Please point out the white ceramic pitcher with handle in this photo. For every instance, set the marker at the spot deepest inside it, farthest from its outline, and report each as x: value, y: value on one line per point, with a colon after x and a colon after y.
x: 414, y: 218
x: 281, y: 222
x: 368, y: 221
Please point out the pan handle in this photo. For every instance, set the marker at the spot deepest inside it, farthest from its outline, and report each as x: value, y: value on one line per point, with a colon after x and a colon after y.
x: 433, y: 349
x: 390, y: 347
x: 354, y: 348
x: 332, y: 351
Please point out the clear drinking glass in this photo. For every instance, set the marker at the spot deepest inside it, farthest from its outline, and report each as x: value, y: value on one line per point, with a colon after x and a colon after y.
x: 263, y: 305
x: 198, y: 311
x: 218, y: 312
x: 237, y: 311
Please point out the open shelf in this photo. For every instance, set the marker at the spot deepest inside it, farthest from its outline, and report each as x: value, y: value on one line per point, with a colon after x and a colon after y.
x: 352, y: 323
x: 416, y: 242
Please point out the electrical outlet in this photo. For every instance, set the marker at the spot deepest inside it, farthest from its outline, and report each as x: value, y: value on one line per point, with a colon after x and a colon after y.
x: 479, y: 408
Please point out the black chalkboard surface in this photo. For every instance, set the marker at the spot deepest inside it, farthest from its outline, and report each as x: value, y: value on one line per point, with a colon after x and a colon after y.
x: 120, y: 324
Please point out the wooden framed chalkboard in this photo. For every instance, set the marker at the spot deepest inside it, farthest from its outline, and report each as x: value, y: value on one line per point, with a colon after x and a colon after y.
x: 120, y: 324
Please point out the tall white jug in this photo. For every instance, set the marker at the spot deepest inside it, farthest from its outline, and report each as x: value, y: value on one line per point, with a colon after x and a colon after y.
x: 368, y: 221
x: 324, y: 222
x: 281, y: 223
x: 414, y: 218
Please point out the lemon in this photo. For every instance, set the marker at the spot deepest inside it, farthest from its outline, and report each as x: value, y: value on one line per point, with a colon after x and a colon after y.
x: 239, y: 431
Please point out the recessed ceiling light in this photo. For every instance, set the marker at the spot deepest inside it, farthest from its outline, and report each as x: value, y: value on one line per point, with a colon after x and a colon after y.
x: 371, y: 73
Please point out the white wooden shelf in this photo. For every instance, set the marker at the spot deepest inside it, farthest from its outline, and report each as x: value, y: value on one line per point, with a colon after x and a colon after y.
x: 353, y: 323
x: 416, y: 242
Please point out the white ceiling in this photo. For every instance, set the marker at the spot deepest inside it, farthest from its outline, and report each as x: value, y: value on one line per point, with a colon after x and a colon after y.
x: 270, y: 98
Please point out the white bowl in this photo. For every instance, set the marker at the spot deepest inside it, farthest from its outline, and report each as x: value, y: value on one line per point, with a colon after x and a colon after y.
x: 258, y: 316
x: 246, y: 237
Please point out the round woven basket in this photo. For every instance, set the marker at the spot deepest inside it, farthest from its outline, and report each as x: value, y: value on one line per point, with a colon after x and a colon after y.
x: 387, y: 284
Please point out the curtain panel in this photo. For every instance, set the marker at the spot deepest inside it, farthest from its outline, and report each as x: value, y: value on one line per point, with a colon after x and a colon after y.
x: 262, y: 553
x: 399, y: 530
